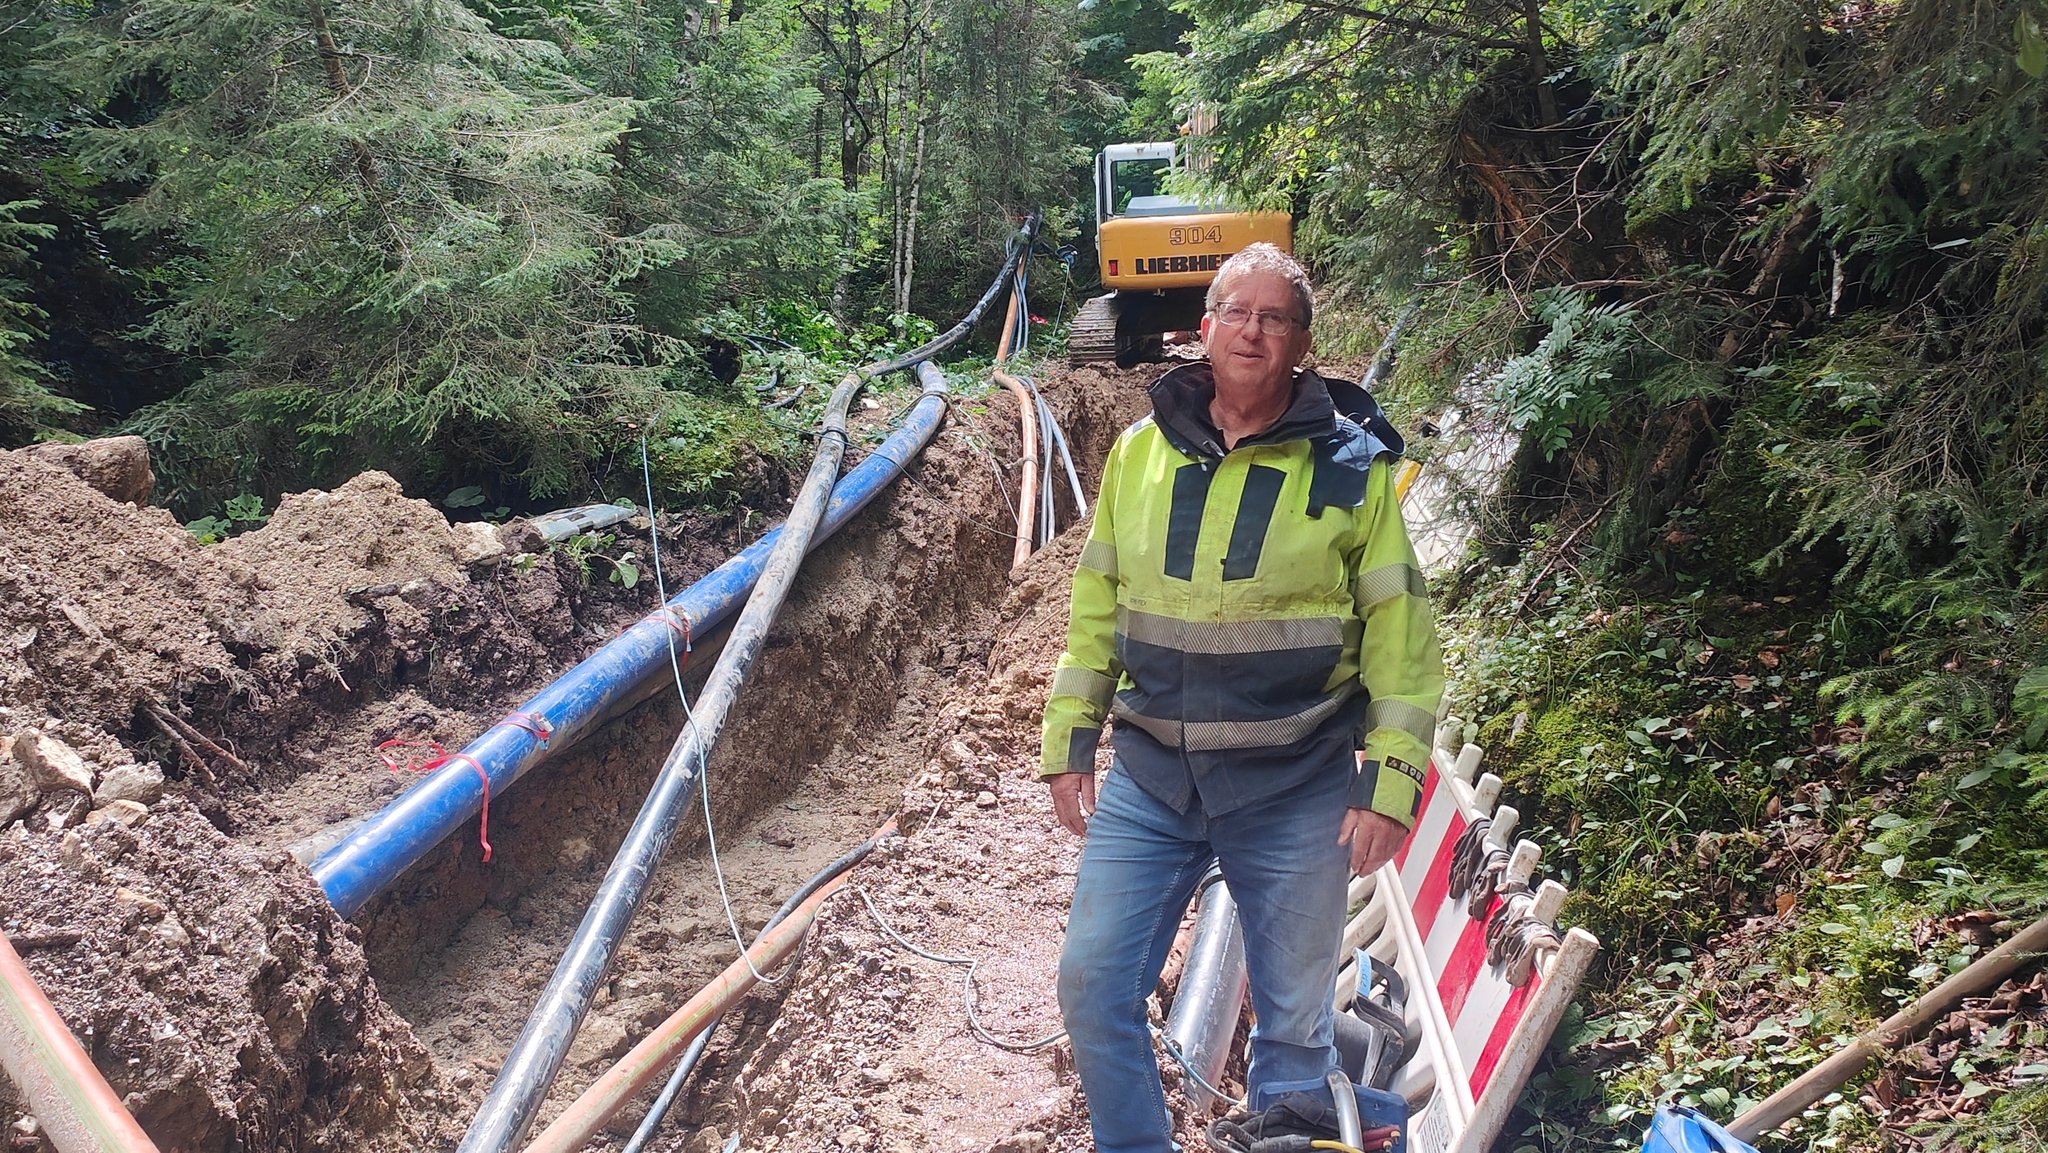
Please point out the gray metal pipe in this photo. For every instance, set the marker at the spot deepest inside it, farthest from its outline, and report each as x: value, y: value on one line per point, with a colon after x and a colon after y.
x: 1345, y: 1100
x: 1212, y: 990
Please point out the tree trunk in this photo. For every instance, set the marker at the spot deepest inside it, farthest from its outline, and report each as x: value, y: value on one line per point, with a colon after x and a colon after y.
x: 850, y: 142
x: 1539, y: 66
x: 910, y: 221
x: 330, y: 56
x: 909, y: 170
x: 817, y: 141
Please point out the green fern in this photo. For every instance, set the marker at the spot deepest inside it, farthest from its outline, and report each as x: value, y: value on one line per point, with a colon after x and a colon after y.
x: 1594, y: 359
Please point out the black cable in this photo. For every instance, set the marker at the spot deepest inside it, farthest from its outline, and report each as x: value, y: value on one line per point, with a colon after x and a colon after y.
x: 953, y: 335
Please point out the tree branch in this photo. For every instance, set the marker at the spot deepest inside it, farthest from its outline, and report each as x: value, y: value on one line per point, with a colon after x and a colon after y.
x: 1420, y: 27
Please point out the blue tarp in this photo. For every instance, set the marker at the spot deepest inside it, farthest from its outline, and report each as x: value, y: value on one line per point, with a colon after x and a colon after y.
x: 1681, y: 1129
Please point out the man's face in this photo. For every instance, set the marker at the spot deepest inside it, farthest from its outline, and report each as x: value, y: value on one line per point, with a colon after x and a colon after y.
x: 1247, y: 360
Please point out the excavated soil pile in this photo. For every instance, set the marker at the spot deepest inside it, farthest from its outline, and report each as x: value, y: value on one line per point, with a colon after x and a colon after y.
x: 175, y: 715
x: 154, y: 692
x: 214, y: 987
x: 106, y: 605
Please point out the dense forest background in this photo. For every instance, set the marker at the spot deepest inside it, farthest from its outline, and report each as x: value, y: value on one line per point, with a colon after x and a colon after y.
x: 476, y: 243
x: 1759, y: 635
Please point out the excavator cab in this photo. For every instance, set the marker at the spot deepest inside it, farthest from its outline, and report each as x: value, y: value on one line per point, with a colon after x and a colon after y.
x: 1157, y: 253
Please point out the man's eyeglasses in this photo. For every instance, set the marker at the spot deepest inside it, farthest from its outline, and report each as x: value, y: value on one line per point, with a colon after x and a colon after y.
x: 1231, y: 315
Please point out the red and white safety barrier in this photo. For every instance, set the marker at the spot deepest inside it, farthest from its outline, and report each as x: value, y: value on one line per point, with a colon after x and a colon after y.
x: 1480, y: 1034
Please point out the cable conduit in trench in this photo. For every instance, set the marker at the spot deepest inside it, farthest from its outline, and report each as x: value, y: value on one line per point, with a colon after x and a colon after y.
x: 515, y: 1097
x: 536, y: 1056
x: 76, y: 1109
x: 693, y: 1023
x: 373, y: 855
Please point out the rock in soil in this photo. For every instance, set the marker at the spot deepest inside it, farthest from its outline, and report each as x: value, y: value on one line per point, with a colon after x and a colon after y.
x: 116, y: 465
x: 52, y: 765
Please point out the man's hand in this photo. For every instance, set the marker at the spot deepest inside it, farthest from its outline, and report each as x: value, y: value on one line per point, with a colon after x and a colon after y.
x: 1073, y: 801
x: 1373, y: 838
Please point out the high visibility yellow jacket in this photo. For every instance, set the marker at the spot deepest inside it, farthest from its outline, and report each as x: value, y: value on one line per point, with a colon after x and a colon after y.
x: 1252, y: 618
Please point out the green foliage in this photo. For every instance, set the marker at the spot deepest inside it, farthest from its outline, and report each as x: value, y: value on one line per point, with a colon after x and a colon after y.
x: 477, y: 242
x: 1676, y: 756
x: 1001, y: 105
x: 392, y: 253
x: 478, y: 245
x: 246, y: 510
x: 1719, y: 87
x: 210, y: 529
x: 701, y: 450
x: 585, y: 550
x: 239, y: 514
x: 2016, y: 1121
x: 1568, y: 382
x: 1118, y: 95
x: 27, y: 405
x: 710, y: 180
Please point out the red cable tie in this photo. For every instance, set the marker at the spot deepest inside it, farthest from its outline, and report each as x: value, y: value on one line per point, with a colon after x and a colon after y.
x: 441, y: 757
x: 676, y: 619
x: 533, y: 723
x: 412, y: 762
x: 483, y: 821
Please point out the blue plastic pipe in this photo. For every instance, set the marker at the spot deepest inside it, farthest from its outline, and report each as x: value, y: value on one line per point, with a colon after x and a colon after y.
x: 371, y: 857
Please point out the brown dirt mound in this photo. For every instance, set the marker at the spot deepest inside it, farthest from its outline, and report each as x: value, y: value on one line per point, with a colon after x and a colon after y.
x: 214, y: 987
x: 211, y: 980
x: 349, y: 619
x: 102, y: 601
x: 299, y: 568
x: 104, y: 604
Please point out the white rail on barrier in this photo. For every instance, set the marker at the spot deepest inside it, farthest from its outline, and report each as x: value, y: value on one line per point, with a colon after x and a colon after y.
x: 1480, y: 1032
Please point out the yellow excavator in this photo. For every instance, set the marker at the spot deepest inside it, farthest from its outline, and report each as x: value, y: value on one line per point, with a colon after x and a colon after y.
x: 1158, y: 253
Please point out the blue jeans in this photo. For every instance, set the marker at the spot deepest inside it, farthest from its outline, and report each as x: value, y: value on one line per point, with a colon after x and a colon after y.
x: 1141, y: 863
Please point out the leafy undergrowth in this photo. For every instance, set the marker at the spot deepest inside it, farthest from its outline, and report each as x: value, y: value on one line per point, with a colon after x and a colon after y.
x: 1775, y: 805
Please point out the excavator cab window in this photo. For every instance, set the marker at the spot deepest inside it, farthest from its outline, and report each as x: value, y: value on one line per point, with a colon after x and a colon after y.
x: 1129, y: 179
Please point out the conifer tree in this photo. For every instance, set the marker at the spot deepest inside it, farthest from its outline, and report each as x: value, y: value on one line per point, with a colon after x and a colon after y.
x: 391, y: 225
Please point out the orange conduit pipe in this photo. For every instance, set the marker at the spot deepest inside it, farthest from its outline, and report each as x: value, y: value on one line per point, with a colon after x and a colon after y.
x: 587, y: 1115
x: 75, y: 1106
x: 1027, y: 491
x: 1027, y: 421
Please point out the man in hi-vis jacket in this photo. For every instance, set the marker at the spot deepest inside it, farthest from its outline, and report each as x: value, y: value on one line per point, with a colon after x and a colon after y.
x: 1249, y: 609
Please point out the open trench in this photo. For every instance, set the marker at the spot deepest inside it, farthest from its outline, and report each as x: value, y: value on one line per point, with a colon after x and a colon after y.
x: 885, y: 620
x: 231, y: 1008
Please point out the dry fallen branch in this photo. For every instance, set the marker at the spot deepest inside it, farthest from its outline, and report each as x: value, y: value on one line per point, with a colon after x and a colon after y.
x: 186, y: 736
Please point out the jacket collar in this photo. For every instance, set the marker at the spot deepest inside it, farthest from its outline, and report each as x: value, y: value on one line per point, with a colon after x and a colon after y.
x: 1180, y: 406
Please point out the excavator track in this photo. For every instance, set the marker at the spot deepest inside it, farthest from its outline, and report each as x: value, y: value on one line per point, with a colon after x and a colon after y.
x: 1092, y: 339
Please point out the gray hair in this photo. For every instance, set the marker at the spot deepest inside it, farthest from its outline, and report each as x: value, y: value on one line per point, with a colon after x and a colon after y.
x: 1263, y: 257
